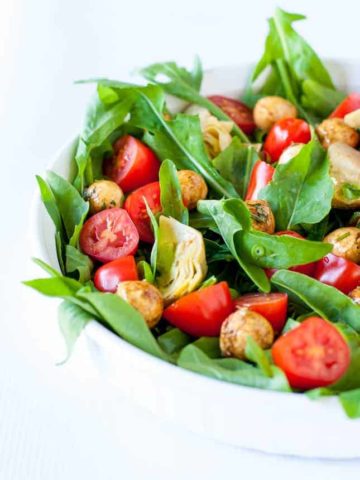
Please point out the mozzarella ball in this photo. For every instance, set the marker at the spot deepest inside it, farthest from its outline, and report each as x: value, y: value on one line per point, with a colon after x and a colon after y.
x: 346, y: 243
x: 193, y: 188
x: 269, y: 110
x: 290, y: 152
x: 144, y: 297
x: 103, y: 194
x: 238, y: 327
x: 333, y: 130
x: 262, y: 217
x: 355, y: 295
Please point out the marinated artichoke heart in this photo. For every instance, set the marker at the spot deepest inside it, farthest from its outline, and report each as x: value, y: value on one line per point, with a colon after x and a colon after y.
x: 345, y: 173
x: 181, y: 259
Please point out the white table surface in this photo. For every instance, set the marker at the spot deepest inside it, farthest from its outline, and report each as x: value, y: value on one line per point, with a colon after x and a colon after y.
x: 61, y: 423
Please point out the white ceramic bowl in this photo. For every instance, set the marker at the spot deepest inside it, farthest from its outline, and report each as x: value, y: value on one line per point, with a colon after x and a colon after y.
x: 268, y: 421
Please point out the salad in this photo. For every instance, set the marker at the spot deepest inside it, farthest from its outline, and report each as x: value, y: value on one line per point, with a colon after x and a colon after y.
x: 224, y: 239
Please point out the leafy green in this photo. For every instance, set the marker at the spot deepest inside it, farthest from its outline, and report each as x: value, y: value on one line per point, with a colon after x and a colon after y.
x: 231, y: 370
x: 350, y: 192
x: 145, y: 271
x: 186, y: 85
x: 320, y: 99
x: 170, y: 193
x: 47, y: 268
x: 350, y: 402
x: 77, y: 261
x: 55, y: 287
x: 173, y: 340
x: 325, y: 300
x: 235, y: 164
x: 301, y: 190
x: 256, y: 354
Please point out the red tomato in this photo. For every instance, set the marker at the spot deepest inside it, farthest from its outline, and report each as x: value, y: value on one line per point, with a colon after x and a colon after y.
x: 201, y: 313
x: 307, y: 269
x: 348, y: 105
x: 272, y: 306
x: 136, y: 208
x: 312, y: 355
x: 284, y: 133
x: 261, y: 175
x: 108, y: 235
x: 132, y: 165
x: 108, y: 276
x: 237, y: 111
x: 338, y: 272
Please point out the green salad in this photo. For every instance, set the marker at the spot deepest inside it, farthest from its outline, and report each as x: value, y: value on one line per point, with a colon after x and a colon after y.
x: 225, y: 238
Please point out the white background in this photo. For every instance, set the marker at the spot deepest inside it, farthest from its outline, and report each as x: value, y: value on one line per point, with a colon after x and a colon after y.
x: 65, y: 422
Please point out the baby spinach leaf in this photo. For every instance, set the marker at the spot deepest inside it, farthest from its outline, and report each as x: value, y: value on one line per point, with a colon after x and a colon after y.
x: 235, y: 164
x: 351, y: 378
x: 50, y: 204
x: 350, y: 401
x: 55, y: 287
x: 124, y: 320
x: 77, y: 261
x: 320, y: 99
x: 301, y: 190
x: 231, y: 370
x: 170, y: 193
x: 47, y: 268
x: 256, y: 354
x: 173, y: 341
x: 72, y: 321
x: 145, y: 271
x: 325, y: 300
x: 186, y: 85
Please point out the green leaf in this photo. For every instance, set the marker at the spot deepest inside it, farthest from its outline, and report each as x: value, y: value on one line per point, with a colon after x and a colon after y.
x: 50, y: 203
x: 55, y: 286
x: 47, y: 268
x: 350, y: 192
x: 124, y: 320
x: 235, y: 164
x: 323, y: 299
x: 231, y: 370
x: 256, y: 354
x: 72, y: 321
x: 170, y: 193
x: 77, y: 261
x: 290, y: 325
x: 72, y: 207
x: 319, y: 99
x: 301, y: 190
x: 155, y: 247
x: 179, y: 82
x: 145, y: 271
x: 173, y: 341
x: 350, y: 402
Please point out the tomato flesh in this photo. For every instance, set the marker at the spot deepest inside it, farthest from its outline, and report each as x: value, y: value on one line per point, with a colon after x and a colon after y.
x: 272, y: 306
x: 132, y: 165
x: 239, y: 113
x: 201, y: 313
x: 284, y: 133
x: 307, y: 269
x: 108, y: 276
x: 338, y: 272
x: 261, y: 175
x: 108, y: 235
x: 136, y: 208
x: 348, y: 105
x: 312, y: 355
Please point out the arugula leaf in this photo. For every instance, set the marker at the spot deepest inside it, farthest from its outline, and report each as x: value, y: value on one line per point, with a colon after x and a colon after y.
x: 320, y: 99
x: 77, y: 261
x: 316, y: 295
x: 350, y: 401
x: 235, y: 164
x: 231, y: 370
x: 301, y: 190
x: 72, y: 321
x: 186, y: 85
x: 170, y: 193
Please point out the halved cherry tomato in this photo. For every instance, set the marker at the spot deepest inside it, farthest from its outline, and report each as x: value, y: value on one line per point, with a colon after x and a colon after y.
x: 283, y: 133
x: 136, y: 208
x: 201, y: 313
x: 132, y: 165
x: 272, y: 306
x: 108, y: 276
x: 108, y: 235
x: 338, y: 272
x: 312, y: 355
x: 348, y: 105
x: 307, y: 269
x: 261, y: 175
x: 237, y: 111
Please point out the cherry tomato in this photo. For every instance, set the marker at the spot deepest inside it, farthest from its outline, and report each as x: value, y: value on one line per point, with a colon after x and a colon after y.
x: 261, y: 175
x: 132, y: 165
x: 108, y: 235
x: 136, y: 208
x: 108, y: 276
x: 348, y: 105
x: 201, y: 313
x: 312, y: 355
x: 283, y: 133
x: 237, y: 111
x: 272, y: 306
x: 338, y: 272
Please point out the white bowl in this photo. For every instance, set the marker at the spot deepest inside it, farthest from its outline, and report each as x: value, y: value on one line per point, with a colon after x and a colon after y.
x: 263, y: 420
